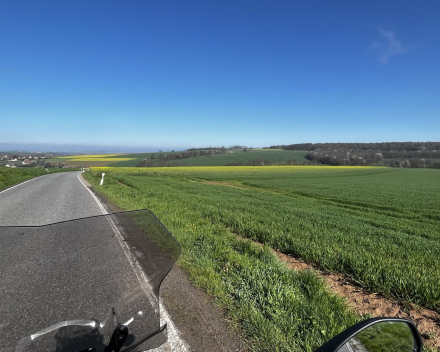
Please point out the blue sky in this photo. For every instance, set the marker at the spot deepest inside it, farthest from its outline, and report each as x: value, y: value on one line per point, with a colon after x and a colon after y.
x: 178, y: 74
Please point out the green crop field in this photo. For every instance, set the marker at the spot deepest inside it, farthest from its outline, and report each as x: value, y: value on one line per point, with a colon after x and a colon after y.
x: 131, y: 160
x: 377, y: 226
x: 240, y: 156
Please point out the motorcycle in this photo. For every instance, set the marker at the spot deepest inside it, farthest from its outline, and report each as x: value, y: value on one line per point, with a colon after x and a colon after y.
x: 65, y: 272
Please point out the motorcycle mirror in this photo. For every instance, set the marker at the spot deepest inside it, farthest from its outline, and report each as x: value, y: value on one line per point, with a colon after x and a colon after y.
x: 377, y: 335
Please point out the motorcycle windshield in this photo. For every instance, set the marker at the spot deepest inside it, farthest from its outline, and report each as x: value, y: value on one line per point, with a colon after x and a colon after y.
x: 68, y: 285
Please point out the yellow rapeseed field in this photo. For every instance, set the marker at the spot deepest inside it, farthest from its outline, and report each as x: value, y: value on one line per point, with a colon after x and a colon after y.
x: 225, y: 170
x: 110, y: 160
x: 88, y: 156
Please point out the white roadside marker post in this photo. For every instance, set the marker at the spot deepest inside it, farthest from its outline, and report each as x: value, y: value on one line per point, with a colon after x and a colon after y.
x: 102, y: 179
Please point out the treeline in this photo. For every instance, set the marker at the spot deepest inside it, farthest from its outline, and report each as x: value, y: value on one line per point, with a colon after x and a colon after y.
x: 206, y: 149
x: 187, y: 154
x: 394, y: 154
x: 231, y: 147
x: 238, y: 147
x: 427, y: 154
x: 336, y: 158
x: 359, y: 158
x: 166, y: 158
x: 380, y: 147
x: 49, y: 165
x: 414, y: 163
x: 41, y: 163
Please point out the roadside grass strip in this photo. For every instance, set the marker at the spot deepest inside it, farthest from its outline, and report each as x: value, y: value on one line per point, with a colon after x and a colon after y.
x: 10, y: 176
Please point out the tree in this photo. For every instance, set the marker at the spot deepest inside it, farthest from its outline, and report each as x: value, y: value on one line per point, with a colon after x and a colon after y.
x: 143, y: 163
x: 378, y: 157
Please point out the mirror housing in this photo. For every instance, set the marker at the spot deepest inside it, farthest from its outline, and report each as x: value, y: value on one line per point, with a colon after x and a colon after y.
x: 337, y: 343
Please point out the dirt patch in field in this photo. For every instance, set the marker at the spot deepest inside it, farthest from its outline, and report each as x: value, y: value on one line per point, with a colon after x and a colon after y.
x: 215, y: 183
x: 366, y: 302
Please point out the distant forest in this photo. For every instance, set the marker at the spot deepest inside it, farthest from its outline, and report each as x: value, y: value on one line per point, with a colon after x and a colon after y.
x: 394, y: 154
x: 165, y: 158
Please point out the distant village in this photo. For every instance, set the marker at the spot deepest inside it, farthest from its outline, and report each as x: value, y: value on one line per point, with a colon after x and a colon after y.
x: 14, y: 160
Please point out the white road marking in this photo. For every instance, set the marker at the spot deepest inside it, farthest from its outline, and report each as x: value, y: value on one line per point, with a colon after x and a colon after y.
x: 7, y: 189
x: 175, y: 342
x: 100, y: 205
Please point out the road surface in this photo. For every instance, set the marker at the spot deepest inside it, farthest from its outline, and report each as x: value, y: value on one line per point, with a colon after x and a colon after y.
x: 28, y: 294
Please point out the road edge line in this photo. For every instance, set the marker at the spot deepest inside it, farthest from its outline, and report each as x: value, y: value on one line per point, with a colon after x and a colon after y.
x: 21, y: 183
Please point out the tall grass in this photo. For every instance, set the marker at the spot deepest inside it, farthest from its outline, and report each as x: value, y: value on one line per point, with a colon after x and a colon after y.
x: 12, y: 176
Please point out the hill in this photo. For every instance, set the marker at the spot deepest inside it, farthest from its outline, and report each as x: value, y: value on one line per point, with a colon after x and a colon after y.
x: 233, y: 156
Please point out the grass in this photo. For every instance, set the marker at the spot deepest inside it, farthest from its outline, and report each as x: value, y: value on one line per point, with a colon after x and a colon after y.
x: 74, y: 163
x: 279, y: 309
x: 238, y: 156
x: 378, y: 226
x: 12, y: 176
x: 129, y: 163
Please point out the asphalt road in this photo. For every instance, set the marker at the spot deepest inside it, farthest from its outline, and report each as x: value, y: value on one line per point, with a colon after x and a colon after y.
x: 45, y: 200
x: 92, y: 273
